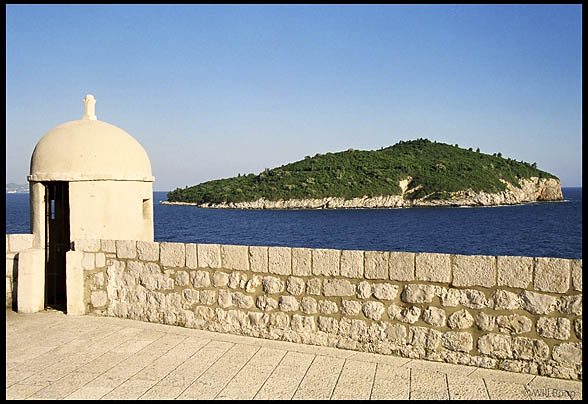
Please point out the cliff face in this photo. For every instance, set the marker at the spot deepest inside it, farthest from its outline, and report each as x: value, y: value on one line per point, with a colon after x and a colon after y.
x: 532, y: 190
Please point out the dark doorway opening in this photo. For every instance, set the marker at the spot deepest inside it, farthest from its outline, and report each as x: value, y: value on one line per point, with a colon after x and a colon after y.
x: 57, y: 243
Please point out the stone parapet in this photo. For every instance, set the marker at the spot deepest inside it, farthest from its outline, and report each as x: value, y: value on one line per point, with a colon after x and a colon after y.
x: 520, y: 314
x: 15, y: 243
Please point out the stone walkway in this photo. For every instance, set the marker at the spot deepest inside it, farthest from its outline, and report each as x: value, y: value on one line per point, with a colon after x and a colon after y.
x: 53, y: 356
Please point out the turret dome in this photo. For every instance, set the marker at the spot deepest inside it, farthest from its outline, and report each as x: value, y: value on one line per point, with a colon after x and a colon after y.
x: 89, y: 149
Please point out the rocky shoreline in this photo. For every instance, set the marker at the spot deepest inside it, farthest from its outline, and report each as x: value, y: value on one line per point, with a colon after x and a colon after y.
x: 531, y: 190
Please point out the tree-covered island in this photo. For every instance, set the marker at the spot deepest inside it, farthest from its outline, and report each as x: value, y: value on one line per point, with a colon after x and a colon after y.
x: 410, y: 173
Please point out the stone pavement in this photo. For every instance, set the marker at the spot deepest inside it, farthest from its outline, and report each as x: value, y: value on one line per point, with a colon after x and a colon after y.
x: 53, y: 356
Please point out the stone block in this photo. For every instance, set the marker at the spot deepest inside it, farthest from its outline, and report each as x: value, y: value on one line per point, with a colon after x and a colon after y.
x: 568, y: 353
x: 225, y: 298
x: 313, y: 287
x: 148, y: 251
x: 88, y: 261
x: 401, y: 266
x: 235, y: 257
x: 209, y: 256
x: 474, y: 270
x: 458, y: 341
x: 554, y: 327
x: 373, y: 310
x: 552, y: 275
x: 474, y: 299
x: 485, y: 322
x: 272, y: 285
x: 338, y: 287
x: 207, y: 297
x: 577, y: 275
x: 182, y: 278
x: 220, y: 279
x: 86, y: 245
x: 242, y: 300
x: 515, y: 272
x: 236, y: 279
x: 327, y: 307
x: 352, y: 263
x: 258, y: 258
x: 325, y: 262
x: 19, y: 242
x: 364, y: 290
x: 98, y: 298
x: 200, y: 279
x: 433, y: 267
x: 108, y: 246
x: 191, y: 256
x: 537, y: 303
x: 126, y: 248
x: 395, y: 333
x: 406, y: 315
x: 451, y: 298
x: 570, y: 305
x: 423, y: 338
x: 31, y: 280
x: 328, y: 324
x: 100, y: 260
x: 418, y: 293
x: 191, y: 296
x: 295, y: 286
x: 514, y: 324
x: 578, y: 328
x: 505, y: 300
x: 350, y: 307
x: 460, y: 319
x: 496, y: 346
x: 173, y: 254
x: 74, y: 278
x: 301, y: 261
x: 385, y: 291
x: 280, y: 260
x: 376, y: 265
x: 529, y: 349
x: 308, y: 305
x: 266, y: 303
x: 434, y: 316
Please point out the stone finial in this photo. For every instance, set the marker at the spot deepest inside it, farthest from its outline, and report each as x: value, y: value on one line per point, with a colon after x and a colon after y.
x: 89, y: 107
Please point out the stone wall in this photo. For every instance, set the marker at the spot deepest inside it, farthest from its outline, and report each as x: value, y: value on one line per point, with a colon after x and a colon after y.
x: 15, y: 243
x: 520, y: 314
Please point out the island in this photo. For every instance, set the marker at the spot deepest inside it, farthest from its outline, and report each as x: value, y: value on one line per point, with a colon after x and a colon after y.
x: 408, y: 174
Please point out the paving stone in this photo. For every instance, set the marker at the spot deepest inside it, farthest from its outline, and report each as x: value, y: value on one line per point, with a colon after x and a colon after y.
x: 129, y: 390
x: 355, y: 381
x: 158, y: 392
x: 21, y: 391
x: 501, y: 390
x: 285, y: 379
x: 391, y: 383
x: 466, y: 388
x: 428, y: 385
x: 191, y: 369
x: 247, y: 382
x: 64, y: 386
x: 319, y: 382
x: 216, y: 377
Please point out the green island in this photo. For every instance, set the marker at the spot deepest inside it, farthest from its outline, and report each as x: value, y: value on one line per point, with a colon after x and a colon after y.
x: 434, y: 171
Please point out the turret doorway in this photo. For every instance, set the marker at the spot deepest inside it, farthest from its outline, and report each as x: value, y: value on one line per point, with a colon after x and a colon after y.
x: 57, y: 243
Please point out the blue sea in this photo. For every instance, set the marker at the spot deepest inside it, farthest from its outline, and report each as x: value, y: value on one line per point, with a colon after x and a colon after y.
x: 543, y: 229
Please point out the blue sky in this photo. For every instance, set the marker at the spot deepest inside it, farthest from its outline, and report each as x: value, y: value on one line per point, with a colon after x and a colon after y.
x: 213, y: 91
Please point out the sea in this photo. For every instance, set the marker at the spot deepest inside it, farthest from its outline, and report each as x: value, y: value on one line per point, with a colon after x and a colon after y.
x: 541, y: 229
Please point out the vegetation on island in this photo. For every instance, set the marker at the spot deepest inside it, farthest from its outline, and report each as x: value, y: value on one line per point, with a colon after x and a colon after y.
x: 437, y: 169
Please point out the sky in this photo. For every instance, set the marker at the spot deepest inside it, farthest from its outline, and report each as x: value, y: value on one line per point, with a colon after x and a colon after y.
x: 215, y: 91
